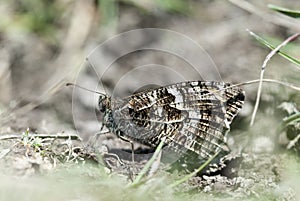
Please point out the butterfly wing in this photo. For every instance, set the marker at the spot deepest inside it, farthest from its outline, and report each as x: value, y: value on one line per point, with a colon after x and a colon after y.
x: 193, y: 116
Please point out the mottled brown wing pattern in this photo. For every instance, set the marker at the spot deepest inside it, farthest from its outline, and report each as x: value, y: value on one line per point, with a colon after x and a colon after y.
x: 191, y: 115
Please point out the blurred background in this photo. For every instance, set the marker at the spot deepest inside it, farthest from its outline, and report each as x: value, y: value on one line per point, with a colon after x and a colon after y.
x: 44, y: 44
x: 105, y: 45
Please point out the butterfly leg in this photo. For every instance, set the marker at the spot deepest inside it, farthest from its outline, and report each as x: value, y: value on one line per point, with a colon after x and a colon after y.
x: 132, y: 152
x: 94, y: 139
x: 132, y: 146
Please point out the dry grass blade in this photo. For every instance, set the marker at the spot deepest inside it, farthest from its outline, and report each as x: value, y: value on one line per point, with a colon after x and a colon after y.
x: 270, y: 46
x: 59, y: 135
x: 286, y: 84
x: 269, y: 56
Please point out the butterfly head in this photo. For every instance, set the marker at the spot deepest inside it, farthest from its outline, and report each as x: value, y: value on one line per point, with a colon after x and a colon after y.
x: 104, y: 103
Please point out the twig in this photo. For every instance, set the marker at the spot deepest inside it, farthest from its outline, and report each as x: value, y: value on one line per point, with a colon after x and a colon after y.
x: 263, y: 67
x: 71, y: 136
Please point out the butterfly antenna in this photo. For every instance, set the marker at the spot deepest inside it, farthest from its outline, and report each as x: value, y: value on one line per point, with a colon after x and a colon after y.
x: 286, y: 84
x: 76, y: 85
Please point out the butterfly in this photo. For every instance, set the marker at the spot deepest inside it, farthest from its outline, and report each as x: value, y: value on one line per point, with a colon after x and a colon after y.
x: 192, y: 116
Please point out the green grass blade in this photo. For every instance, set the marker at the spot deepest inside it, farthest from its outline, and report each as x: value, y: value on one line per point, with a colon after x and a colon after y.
x: 187, y: 177
x: 292, y: 118
x: 148, y: 164
x: 289, y: 120
x: 286, y: 11
x: 269, y: 45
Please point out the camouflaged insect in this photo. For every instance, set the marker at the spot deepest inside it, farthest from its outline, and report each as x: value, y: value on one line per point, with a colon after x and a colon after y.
x: 194, y: 116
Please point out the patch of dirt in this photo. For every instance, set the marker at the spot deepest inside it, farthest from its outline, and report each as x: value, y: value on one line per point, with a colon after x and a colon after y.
x: 248, y: 175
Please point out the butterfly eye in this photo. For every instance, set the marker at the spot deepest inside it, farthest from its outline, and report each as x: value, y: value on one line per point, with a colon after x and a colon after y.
x: 103, y: 103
